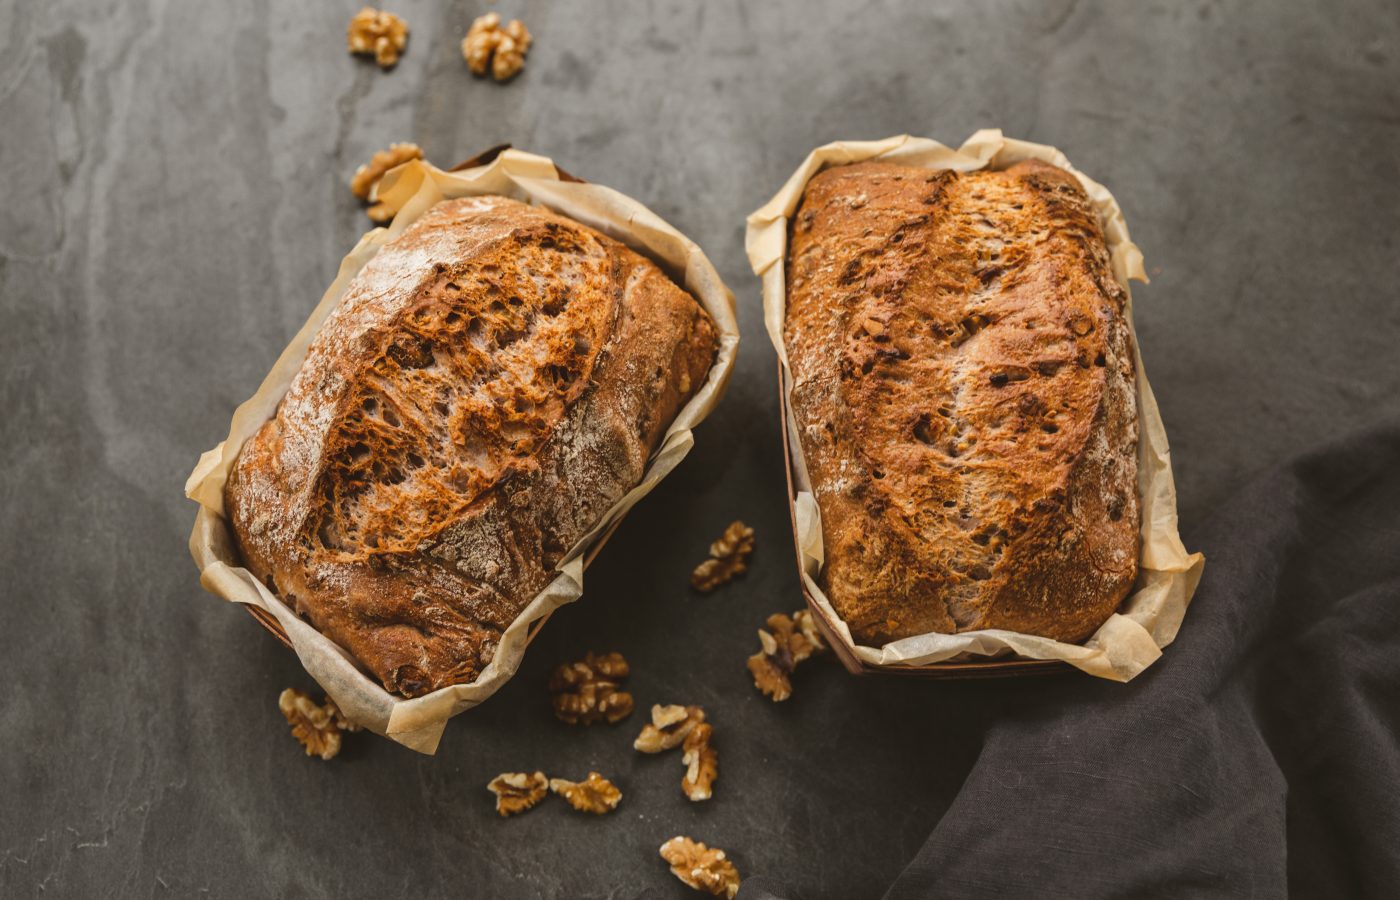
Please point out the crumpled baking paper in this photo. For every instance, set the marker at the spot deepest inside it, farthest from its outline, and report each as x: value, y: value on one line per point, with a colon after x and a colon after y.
x: 1132, y: 639
x: 411, y: 189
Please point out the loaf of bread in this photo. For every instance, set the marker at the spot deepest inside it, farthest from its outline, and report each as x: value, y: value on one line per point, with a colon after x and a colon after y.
x: 963, y: 388
x: 492, y: 382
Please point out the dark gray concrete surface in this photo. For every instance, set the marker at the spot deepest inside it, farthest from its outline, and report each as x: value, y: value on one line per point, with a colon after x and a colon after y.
x: 152, y: 267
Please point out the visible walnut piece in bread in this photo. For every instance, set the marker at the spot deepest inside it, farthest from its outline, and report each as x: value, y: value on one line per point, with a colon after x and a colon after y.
x: 963, y: 385
x: 492, y: 382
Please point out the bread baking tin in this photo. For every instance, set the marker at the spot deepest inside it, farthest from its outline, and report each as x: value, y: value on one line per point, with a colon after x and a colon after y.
x: 1130, y: 639
x: 413, y: 189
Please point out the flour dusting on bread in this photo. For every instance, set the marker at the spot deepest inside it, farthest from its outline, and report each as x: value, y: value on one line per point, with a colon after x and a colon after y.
x: 493, y: 380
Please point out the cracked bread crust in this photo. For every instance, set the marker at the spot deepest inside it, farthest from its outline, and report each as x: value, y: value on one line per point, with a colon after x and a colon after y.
x: 492, y: 382
x: 963, y: 387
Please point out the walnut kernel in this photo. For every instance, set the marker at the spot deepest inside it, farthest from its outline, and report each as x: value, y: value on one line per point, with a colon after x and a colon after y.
x: 700, y: 867
x: 480, y: 42
x: 382, y: 34
x: 364, y: 183
x: 729, y: 556
x: 590, y: 689
x: 318, y: 728
x: 668, y: 728
x: 701, y: 762
x: 595, y: 794
x: 518, y: 791
x: 501, y: 50
x: 787, y: 642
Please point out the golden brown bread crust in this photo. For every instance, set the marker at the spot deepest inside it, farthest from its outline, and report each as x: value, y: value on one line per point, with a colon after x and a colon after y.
x: 492, y: 382
x: 963, y: 386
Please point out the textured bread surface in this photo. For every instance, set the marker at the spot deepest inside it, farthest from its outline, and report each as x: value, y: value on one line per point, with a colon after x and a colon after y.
x: 963, y: 387
x: 492, y: 382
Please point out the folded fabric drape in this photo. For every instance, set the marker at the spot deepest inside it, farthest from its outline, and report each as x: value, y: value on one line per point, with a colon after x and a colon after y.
x: 1260, y: 758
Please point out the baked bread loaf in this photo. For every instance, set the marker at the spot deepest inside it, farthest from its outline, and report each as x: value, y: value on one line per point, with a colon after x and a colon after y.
x: 963, y: 387
x: 491, y: 383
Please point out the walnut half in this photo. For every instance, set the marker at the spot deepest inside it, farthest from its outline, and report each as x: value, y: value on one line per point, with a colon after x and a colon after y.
x: 595, y: 794
x: 729, y: 556
x: 668, y: 728
x: 591, y: 689
x: 518, y: 791
x: 701, y: 762
x: 787, y: 642
x: 366, y: 178
x: 501, y: 49
x: 700, y: 867
x: 318, y: 728
x: 381, y: 34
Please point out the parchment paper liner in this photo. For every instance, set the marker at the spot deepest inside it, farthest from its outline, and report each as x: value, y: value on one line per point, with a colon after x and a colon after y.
x: 412, y: 189
x: 1131, y: 639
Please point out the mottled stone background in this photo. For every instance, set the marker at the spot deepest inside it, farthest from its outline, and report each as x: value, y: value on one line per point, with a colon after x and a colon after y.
x: 153, y: 264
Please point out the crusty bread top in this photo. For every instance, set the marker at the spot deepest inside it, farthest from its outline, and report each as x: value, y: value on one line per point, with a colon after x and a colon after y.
x: 491, y: 383
x: 963, y: 385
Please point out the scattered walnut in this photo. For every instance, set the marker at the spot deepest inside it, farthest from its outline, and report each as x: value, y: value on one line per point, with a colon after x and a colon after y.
x: 590, y: 689
x: 382, y: 34
x: 480, y: 42
x: 510, y: 52
x: 318, y: 728
x: 700, y: 867
x: 341, y: 721
x: 790, y: 641
x: 669, y: 726
x: 502, y: 50
x: 366, y: 177
x: 518, y: 791
x: 701, y: 763
x: 595, y: 794
x: 380, y: 213
x: 729, y: 556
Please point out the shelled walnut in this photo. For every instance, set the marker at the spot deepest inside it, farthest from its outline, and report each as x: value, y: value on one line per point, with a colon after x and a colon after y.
x: 788, y: 641
x: 668, y: 728
x: 318, y: 728
x: 591, y: 689
x: 380, y: 34
x: 595, y: 794
x: 729, y: 557
x: 501, y: 49
x: 700, y: 867
x: 518, y: 791
x: 366, y: 178
x: 701, y: 762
